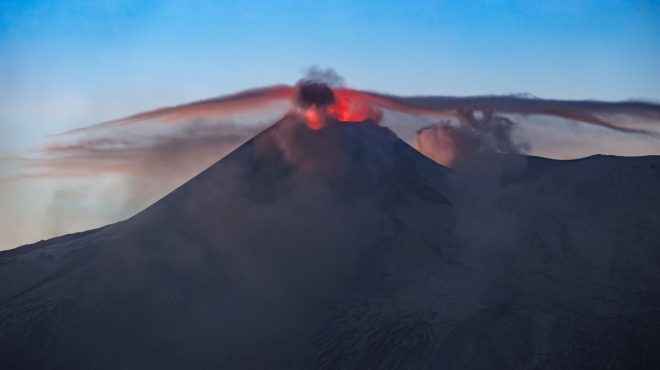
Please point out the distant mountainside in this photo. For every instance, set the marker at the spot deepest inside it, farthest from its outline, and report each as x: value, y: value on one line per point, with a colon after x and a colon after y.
x: 345, y: 248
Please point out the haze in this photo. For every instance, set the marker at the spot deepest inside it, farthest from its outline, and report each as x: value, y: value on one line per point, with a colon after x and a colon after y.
x: 70, y: 64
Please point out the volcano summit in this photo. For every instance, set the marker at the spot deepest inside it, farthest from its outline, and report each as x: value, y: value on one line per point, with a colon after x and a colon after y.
x: 342, y: 247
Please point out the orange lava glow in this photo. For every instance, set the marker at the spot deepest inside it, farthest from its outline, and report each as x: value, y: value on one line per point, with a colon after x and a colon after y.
x: 314, y: 118
x: 351, y: 106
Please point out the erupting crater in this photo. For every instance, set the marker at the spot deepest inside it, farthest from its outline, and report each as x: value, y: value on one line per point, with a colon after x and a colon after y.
x: 319, y: 102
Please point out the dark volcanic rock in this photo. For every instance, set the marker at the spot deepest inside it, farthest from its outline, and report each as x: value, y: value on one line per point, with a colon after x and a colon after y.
x: 346, y: 248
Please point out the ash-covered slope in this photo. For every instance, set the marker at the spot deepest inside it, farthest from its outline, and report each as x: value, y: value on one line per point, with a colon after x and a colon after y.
x: 228, y: 271
x: 345, y: 248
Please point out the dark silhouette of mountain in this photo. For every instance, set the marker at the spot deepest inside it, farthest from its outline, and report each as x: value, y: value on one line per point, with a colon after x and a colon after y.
x: 344, y: 248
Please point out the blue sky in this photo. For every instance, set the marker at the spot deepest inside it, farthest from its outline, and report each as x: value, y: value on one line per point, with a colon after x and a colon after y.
x: 65, y: 64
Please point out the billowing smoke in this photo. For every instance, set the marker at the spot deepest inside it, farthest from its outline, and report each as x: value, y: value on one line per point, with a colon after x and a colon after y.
x: 320, y: 103
x: 327, y: 76
x: 314, y: 94
x: 474, y: 134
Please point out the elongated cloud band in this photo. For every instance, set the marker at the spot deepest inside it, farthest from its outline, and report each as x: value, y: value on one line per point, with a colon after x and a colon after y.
x: 111, y: 170
x: 202, y: 132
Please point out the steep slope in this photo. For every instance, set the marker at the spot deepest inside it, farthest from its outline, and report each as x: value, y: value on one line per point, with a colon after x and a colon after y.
x: 345, y: 248
x: 230, y: 269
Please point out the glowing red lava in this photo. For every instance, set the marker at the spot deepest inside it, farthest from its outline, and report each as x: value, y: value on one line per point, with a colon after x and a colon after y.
x: 314, y: 118
x: 349, y: 107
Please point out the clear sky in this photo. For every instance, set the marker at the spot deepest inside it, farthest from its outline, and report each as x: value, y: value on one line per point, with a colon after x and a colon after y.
x: 65, y: 64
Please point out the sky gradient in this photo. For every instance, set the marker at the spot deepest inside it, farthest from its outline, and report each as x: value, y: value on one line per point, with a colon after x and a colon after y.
x: 65, y: 64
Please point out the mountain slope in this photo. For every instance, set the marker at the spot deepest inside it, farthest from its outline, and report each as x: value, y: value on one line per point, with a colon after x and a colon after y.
x: 346, y: 248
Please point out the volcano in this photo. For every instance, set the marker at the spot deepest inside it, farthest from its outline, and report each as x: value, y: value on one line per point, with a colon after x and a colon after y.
x: 342, y: 247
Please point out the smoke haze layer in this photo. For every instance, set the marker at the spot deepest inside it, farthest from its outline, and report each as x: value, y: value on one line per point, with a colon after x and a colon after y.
x: 140, y: 158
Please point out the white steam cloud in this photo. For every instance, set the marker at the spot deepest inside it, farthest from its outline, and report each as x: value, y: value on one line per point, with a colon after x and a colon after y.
x: 475, y: 134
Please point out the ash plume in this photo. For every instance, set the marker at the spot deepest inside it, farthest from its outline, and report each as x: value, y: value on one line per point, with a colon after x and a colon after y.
x: 312, y: 93
x: 450, y: 144
x: 327, y: 76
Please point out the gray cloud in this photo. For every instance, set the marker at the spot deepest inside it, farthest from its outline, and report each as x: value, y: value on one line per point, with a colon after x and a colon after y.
x: 474, y: 134
x: 328, y: 76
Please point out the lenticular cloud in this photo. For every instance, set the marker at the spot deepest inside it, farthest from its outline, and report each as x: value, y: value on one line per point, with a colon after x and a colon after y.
x: 445, y: 129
